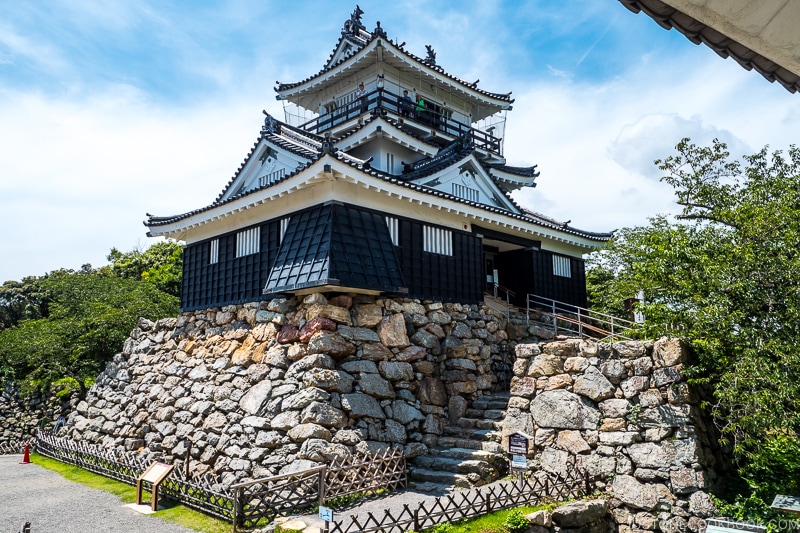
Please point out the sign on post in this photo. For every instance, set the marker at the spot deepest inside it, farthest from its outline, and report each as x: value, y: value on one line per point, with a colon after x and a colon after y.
x: 326, y: 513
x: 519, y: 462
x: 155, y: 474
x: 518, y: 443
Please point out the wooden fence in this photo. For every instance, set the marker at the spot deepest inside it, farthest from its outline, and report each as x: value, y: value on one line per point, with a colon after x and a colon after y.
x: 204, y: 493
x: 472, y: 503
x: 14, y: 447
x: 282, y: 495
x: 245, y: 504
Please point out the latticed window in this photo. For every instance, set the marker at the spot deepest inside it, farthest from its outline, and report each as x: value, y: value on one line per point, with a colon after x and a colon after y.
x: 467, y: 193
x: 214, y: 253
x: 248, y: 242
x: 284, y: 225
x: 437, y: 240
x: 394, y: 230
x: 562, y: 266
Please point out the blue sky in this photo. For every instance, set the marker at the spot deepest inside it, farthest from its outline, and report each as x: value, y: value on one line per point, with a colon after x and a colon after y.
x: 110, y: 110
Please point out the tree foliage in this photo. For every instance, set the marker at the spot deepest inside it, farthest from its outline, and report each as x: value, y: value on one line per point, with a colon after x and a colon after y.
x: 160, y: 264
x: 68, y: 324
x: 725, y: 274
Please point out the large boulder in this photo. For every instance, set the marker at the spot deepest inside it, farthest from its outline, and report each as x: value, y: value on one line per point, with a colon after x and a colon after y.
x: 564, y: 410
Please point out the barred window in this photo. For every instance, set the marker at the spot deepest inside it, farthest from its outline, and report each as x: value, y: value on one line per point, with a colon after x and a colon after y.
x: 284, y: 226
x: 214, y: 255
x: 248, y: 242
x: 562, y: 266
x: 437, y: 240
x: 467, y: 193
x: 394, y: 230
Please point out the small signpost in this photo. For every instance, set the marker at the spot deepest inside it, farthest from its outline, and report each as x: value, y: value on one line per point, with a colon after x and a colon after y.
x: 326, y: 514
x: 518, y: 447
x: 155, y: 474
x: 787, y: 504
x: 518, y: 443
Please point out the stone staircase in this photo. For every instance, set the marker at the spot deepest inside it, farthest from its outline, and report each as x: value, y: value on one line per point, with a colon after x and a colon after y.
x: 469, y: 453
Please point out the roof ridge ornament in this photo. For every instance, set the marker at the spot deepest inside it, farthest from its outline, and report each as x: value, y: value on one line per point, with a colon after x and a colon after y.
x: 270, y: 124
x: 379, y: 32
x: 354, y: 24
x: 431, y: 59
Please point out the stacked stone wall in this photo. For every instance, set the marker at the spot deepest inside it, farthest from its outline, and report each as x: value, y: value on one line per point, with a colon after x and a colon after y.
x: 20, y: 414
x: 624, y: 413
x: 259, y: 387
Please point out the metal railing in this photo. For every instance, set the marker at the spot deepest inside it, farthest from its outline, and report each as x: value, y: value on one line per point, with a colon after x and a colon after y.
x: 349, y: 108
x: 586, y: 323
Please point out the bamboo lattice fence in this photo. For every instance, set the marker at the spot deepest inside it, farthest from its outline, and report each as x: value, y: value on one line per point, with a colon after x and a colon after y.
x: 469, y: 504
x: 245, y: 504
x: 280, y: 495
x: 14, y: 447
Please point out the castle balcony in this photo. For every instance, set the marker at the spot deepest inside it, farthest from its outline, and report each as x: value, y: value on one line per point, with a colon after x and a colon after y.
x: 433, y: 124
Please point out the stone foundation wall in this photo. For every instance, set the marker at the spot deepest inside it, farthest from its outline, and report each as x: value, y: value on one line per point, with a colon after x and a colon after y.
x: 20, y: 416
x: 262, y: 386
x: 625, y: 413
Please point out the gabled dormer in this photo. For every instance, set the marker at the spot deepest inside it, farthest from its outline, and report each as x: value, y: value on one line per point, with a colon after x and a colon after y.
x: 461, y: 174
x: 280, y: 151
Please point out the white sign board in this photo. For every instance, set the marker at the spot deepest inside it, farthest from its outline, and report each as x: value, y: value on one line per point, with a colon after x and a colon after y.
x: 519, y: 462
x: 326, y: 513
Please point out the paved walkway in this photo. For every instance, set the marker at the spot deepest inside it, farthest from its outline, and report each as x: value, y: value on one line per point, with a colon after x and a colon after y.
x: 52, y: 504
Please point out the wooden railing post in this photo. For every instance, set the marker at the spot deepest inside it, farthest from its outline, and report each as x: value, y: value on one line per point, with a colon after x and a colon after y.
x: 322, y: 486
x: 236, y: 512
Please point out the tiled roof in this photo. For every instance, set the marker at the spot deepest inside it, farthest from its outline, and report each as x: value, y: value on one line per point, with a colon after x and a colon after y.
x: 525, y: 172
x: 668, y: 17
x: 435, y: 164
x: 362, y: 41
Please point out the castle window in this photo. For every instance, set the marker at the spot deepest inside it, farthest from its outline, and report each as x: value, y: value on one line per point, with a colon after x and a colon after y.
x: 394, y: 230
x: 467, y: 193
x: 562, y: 266
x: 213, y: 258
x: 248, y: 242
x: 284, y: 226
x: 437, y: 240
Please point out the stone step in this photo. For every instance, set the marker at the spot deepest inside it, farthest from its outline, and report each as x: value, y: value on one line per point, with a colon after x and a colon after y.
x: 458, y: 466
x: 495, y: 414
x: 454, y: 442
x: 469, y: 454
x: 418, y: 474
x: 472, y: 434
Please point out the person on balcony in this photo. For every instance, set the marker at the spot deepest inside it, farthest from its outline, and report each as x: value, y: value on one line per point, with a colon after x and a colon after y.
x: 406, y: 105
x: 419, y: 110
x: 361, y: 96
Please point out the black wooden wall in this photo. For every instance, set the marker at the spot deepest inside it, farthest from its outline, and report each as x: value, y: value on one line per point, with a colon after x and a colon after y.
x: 232, y: 280
x: 431, y: 276
x: 531, y: 272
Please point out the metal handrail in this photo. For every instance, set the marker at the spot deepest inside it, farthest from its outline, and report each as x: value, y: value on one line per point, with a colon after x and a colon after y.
x: 349, y: 108
x: 609, y: 327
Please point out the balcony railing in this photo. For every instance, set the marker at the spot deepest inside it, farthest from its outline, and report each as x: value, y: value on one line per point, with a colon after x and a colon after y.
x: 434, y: 117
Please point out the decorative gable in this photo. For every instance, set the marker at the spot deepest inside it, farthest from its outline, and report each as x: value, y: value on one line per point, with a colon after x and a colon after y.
x: 468, y: 180
x: 266, y: 166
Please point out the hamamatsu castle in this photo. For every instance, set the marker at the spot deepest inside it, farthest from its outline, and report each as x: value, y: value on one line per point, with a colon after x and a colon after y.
x: 360, y: 190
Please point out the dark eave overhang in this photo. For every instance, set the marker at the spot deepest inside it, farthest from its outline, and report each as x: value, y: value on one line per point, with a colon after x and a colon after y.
x: 669, y: 17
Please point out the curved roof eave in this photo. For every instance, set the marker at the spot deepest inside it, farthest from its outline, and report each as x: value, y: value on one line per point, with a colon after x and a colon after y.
x: 285, y: 90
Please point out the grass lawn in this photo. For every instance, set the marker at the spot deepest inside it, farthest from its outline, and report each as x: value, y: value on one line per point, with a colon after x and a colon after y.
x: 491, y: 523
x: 127, y: 494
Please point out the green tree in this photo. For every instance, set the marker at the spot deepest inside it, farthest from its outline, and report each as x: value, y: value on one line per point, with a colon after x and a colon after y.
x: 91, y: 313
x: 725, y: 274
x: 20, y: 300
x: 160, y: 264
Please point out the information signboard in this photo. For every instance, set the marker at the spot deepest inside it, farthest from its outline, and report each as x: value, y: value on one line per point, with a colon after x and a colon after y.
x: 518, y: 443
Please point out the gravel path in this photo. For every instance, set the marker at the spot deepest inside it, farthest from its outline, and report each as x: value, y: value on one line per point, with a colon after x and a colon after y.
x: 52, y: 504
